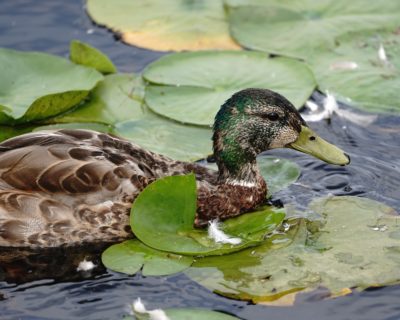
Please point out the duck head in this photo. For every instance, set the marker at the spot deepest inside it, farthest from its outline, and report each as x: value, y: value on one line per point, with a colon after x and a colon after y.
x: 256, y: 120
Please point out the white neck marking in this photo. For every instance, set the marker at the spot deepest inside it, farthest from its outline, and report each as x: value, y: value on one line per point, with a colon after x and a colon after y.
x: 241, y: 183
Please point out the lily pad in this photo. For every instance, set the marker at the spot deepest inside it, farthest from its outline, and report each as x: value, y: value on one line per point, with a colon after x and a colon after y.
x: 278, y: 173
x: 86, y: 55
x: 76, y: 125
x: 190, y: 87
x: 297, y: 29
x: 117, y: 98
x: 184, y: 314
x: 7, y: 132
x: 356, y: 247
x: 355, y: 74
x: 165, y: 25
x: 118, y: 101
x: 35, y: 86
x: 163, y: 214
x: 130, y: 256
x: 177, y: 141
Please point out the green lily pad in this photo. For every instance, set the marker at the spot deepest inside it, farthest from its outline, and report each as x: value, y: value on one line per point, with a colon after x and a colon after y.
x: 190, y: 87
x: 7, y: 132
x: 117, y: 98
x: 355, y: 74
x: 130, y: 256
x: 297, y: 29
x: 117, y: 101
x: 86, y: 55
x: 177, y: 141
x: 76, y: 125
x: 35, y: 86
x: 186, y: 314
x: 163, y: 214
x: 278, y: 173
x: 165, y: 25
x: 197, y: 314
x: 356, y: 247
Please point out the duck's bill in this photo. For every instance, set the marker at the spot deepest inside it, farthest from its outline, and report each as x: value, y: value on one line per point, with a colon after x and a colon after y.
x: 309, y: 142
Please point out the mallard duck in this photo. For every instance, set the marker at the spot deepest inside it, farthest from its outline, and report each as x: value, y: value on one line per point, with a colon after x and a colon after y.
x: 68, y: 187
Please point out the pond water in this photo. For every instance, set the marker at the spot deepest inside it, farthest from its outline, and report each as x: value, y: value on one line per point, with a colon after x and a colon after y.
x: 47, y: 286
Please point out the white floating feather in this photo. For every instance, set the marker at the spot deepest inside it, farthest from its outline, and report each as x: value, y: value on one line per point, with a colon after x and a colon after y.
x: 216, y: 234
x: 85, y: 265
x: 382, y: 54
x: 312, y: 106
x: 156, y: 314
x: 360, y: 119
x: 344, y: 65
x: 330, y: 104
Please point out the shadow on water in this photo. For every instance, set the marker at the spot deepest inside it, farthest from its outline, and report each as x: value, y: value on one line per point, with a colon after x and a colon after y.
x: 46, y: 284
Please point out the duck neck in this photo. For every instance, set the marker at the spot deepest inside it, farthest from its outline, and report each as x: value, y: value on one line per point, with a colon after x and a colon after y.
x: 237, y: 163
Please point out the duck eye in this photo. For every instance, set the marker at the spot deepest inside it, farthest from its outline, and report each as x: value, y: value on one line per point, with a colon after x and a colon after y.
x: 273, y: 116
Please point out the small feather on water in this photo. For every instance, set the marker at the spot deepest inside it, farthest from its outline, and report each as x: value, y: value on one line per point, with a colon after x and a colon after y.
x: 216, y: 234
x: 343, y: 65
x: 85, y: 265
x: 382, y: 54
x: 330, y: 106
x: 156, y: 314
x: 312, y: 106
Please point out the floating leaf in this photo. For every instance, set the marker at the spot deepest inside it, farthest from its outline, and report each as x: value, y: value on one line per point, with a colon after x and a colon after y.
x: 191, y: 87
x: 7, y: 132
x: 180, y: 142
x: 84, y: 54
x: 197, y: 314
x: 117, y: 101
x: 165, y: 25
x: 163, y: 214
x: 278, y: 173
x: 130, y: 256
x: 76, y: 125
x: 180, y: 314
x: 355, y: 74
x: 297, y: 29
x: 356, y: 247
x: 35, y: 86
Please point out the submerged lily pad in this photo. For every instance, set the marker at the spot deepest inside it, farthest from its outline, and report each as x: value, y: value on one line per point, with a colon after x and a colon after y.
x: 298, y: 28
x: 130, y: 256
x: 191, y: 87
x: 165, y: 25
x: 355, y: 73
x: 356, y: 247
x: 162, y: 217
x: 86, y: 55
x: 35, y: 86
x: 118, y: 101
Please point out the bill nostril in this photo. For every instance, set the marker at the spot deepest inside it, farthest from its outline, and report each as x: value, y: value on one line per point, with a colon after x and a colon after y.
x: 312, y: 138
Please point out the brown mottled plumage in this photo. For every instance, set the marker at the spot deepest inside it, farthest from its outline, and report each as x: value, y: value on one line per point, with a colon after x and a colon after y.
x: 67, y: 187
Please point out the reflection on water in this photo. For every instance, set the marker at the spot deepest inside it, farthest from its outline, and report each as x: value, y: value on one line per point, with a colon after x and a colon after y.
x: 47, y: 285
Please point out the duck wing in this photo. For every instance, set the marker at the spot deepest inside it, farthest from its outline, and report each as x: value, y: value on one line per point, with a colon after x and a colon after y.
x: 69, y: 186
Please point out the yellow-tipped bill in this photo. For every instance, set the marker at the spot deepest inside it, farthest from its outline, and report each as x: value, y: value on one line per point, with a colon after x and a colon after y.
x: 309, y: 142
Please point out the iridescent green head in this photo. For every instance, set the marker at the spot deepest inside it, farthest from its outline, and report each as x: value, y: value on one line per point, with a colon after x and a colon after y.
x: 256, y: 120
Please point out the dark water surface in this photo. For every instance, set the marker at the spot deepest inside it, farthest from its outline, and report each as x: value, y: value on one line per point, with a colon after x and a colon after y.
x: 50, y: 287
